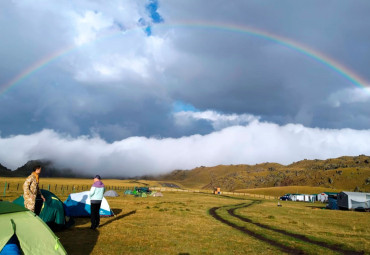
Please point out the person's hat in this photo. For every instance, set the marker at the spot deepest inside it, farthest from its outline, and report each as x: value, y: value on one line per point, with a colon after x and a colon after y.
x: 97, y: 177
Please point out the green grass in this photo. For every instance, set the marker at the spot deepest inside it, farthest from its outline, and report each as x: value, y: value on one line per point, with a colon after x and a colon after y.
x: 180, y: 223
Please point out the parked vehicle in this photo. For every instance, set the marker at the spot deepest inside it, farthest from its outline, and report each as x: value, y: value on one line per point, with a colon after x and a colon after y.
x: 284, y: 198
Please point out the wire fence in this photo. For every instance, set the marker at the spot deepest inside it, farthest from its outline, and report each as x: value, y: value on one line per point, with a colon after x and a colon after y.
x: 8, y: 188
x: 65, y: 189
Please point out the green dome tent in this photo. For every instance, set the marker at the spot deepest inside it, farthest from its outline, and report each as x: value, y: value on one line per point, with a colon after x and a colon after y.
x: 52, y: 211
x: 34, y: 236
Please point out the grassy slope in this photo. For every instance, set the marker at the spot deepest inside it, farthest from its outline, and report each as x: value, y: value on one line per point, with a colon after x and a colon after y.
x: 344, y: 173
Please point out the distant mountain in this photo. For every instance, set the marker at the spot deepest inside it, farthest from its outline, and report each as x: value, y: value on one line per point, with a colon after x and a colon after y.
x: 48, y: 170
x: 347, y: 173
x: 5, y: 171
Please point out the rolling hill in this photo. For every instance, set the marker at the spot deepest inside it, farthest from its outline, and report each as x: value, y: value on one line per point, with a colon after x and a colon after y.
x: 344, y: 173
x: 349, y: 173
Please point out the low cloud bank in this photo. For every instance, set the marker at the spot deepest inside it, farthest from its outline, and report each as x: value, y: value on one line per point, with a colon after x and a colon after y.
x: 253, y: 143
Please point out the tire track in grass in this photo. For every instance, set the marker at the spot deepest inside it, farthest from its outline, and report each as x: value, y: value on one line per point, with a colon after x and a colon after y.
x: 260, y: 237
x: 333, y: 247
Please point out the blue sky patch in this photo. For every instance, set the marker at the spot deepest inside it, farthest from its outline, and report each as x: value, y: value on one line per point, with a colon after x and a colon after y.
x: 179, y: 106
x: 152, y: 8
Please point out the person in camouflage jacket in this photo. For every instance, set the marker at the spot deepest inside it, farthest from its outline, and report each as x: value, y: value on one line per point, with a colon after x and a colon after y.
x: 31, y: 189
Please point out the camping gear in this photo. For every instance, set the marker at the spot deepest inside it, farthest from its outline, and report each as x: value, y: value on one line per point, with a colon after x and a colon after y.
x: 78, y: 205
x: 158, y: 194
x: 353, y: 200
x: 141, y: 195
x: 296, y: 197
x: 324, y: 196
x: 111, y: 193
x: 142, y: 189
x: 128, y: 192
x: 52, y: 210
x: 333, y: 203
x: 34, y: 236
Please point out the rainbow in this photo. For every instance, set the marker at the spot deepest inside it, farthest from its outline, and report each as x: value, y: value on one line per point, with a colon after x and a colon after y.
x: 330, y: 63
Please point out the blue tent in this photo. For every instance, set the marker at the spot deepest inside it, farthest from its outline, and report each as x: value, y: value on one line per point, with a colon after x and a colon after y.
x: 333, y: 203
x: 78, y: 205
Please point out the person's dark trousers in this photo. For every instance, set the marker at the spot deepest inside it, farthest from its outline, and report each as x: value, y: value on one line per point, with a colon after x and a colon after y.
x: 95, y: 217
x: 38, y: 204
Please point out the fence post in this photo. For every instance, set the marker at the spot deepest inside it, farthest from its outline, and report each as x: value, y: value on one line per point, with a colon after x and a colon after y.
x: 4, y: 189
x: 17, y: 186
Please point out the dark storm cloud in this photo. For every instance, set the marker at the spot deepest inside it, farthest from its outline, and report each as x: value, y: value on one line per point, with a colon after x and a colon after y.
x: 123, y: 66
x: 126, y: 85
x: 265, y: 78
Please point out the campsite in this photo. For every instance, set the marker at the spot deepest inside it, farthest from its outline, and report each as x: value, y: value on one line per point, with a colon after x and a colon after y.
x: 184, y: 127
x: 185, y: 221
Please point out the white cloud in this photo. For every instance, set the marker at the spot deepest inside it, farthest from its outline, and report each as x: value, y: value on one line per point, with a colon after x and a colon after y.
x: 89, y: 25
x: 349, y: 96
x: 255, y: 143
x: 218, y: 120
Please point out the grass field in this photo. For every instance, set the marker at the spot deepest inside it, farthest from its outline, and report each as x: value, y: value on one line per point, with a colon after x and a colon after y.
x: 199, y: 223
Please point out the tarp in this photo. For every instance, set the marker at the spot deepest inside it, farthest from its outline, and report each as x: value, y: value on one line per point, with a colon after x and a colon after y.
x: 78, y: 205
x: 52, y: 211
x: 128, y: 192
x: 34, y: 236
x: 111, y: 193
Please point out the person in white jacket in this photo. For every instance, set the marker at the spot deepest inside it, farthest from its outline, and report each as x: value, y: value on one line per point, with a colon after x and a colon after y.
x: 96, y: 196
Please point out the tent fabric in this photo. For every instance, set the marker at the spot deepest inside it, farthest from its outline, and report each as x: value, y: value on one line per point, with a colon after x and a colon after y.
x: 141, y: 195
x: 142, y: 189
x: 111, y: 193
x: 333, y: 203
x: 158, y: 194
x: 128, y: 192
x: 34, y: 236
x: 78, y: 205
x: 12, y: 247
x: 52, y: 211
x: 354, y: 200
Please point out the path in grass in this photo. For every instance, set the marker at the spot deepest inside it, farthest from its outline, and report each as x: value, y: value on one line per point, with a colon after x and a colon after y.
x: 282, y: 247
x: 263, y: 237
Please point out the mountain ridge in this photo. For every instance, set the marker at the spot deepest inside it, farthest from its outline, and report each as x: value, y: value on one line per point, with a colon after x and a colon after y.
x: 346, y: 172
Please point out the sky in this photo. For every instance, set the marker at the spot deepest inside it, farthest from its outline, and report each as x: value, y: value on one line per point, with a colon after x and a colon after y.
x: 131, y: 87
